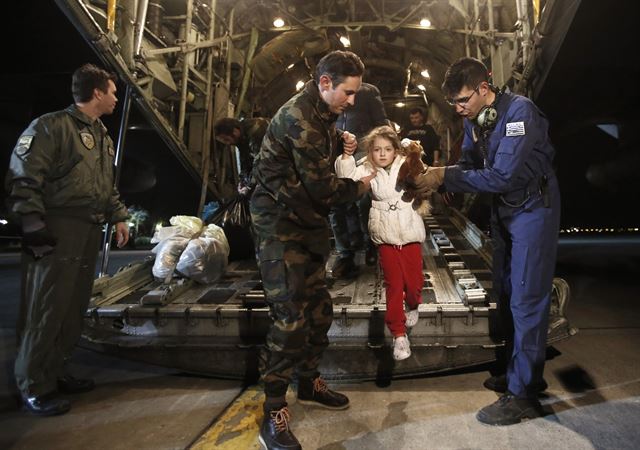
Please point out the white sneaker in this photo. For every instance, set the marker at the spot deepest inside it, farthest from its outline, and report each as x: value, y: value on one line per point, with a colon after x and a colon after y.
x: 412, y: 317
x: 401, y: 349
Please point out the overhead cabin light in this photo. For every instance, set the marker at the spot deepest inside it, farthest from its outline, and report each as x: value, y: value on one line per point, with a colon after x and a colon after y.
x: 400, y: 105
x: 278, y: 22
x: 425, y: 73
x: 345, y: 41
x: 421, y: 87
x: 299, y: 85
x: 290, y: 66
x: 424, y: 22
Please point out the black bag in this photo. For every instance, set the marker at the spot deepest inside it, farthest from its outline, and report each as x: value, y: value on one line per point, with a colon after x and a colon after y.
x: 235, y: 219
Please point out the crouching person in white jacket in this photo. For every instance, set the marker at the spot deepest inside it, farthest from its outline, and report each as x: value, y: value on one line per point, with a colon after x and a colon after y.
x: 396, y: 228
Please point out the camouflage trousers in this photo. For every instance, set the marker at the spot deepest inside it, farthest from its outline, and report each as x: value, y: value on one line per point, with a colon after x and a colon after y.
x: 293, y: 276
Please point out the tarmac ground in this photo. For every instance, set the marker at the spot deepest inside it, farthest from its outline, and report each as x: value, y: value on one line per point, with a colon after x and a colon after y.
x: 593, y: 399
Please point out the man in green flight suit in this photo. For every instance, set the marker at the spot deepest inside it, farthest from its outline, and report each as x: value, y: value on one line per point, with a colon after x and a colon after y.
x: 295, y: 189
x: 60, y: 183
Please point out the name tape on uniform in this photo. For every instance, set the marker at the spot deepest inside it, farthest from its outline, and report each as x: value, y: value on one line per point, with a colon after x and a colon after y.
x: 515, y: 129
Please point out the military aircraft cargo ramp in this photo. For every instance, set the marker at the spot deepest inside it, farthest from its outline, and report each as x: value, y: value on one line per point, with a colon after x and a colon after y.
x: 217, y: 329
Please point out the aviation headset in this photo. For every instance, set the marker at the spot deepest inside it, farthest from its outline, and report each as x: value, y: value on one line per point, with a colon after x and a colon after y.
x: 486, y: 121
x: 488, y: 115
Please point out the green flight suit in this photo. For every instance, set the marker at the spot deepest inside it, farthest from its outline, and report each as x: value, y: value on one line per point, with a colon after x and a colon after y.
x: 62, y: 171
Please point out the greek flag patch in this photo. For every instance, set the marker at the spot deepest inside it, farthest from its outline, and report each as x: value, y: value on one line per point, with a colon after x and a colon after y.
x: 515, y: 129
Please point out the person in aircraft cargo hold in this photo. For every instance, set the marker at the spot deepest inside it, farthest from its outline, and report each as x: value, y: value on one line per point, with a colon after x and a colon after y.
x: 507, y: 152
x: 295, y: 189
x: 247, y: 135
x: 419, y: 130
x: 396, y: 228
x: 350, y: 223
x: 60, y: 183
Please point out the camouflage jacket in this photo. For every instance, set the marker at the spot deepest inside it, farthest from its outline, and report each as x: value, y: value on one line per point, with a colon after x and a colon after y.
x: 63, y: 165
x: 296, y: 185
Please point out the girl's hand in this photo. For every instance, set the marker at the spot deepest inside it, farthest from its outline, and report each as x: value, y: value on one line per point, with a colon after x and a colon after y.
x: 367, y: 180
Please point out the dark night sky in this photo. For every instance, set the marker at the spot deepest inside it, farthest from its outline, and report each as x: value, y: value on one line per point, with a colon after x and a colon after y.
x: 593, y: 73
x: 38, y: 80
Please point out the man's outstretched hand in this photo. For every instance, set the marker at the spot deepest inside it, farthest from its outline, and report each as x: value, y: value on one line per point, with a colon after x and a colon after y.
x: 423, y: 184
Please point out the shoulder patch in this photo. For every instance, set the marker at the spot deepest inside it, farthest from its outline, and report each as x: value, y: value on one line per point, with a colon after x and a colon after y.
x: 515, y: 129
x: 87, y: 139
x: 23, y: 145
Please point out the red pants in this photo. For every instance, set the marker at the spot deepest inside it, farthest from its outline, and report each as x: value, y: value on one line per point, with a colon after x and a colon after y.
x: 402, y: 268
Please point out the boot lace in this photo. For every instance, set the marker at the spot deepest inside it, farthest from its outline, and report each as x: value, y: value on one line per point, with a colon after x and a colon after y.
x: 281, y: 419
x: 319, y: 385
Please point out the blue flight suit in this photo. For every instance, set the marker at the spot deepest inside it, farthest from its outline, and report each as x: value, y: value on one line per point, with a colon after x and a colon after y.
x: 513, y: 162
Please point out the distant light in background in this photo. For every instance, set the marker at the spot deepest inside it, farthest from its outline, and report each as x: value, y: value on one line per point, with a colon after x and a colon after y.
x: 600, y: 230
x: 278, y: 22
x: 345, y: 41
x: 3, y: 222
x: 299, y: 85
x: 425, y: 73
x: 421, y: 87
x: 400, y: 105
x: 424, y: 22
x: 290, y: 66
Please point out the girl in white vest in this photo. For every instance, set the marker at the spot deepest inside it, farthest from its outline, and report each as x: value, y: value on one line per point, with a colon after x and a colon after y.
x: 395, y: 227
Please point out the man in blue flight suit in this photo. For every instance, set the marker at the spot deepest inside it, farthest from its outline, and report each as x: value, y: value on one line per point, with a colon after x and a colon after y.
x: 506, y: 151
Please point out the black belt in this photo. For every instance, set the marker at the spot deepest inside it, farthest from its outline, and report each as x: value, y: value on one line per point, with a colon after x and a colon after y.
x: 537, y: 186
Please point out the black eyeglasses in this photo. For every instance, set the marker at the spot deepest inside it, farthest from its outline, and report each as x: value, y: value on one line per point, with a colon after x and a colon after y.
x: 462, y: 100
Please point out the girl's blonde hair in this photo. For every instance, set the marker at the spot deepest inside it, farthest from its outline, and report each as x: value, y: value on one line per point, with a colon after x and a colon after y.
x: 385, y: 132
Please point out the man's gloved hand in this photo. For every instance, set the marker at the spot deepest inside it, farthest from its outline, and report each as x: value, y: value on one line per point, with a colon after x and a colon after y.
x: 39, y: 238
x: 423, y: 184
x: 35, y: 232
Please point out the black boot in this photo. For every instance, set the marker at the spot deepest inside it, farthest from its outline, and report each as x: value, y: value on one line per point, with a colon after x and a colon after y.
x: 71, y: 385
x: 345, y: 268
x: 509, y: 409
x: 316, y: 392
x: 274, y: 431
x: 498, y: 383
x: 371, y: 255
x: 46, y: 405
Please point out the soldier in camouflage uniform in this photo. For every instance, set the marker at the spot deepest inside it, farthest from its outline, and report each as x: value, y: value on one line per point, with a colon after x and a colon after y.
x: 295, y: 189
x: 60, y: 184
